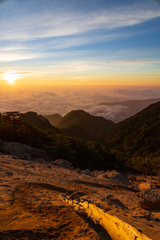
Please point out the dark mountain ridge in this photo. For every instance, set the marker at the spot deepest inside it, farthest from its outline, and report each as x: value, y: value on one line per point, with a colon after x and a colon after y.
x: 81, y: 124
x: 39, y: 121
x: 137, y: 135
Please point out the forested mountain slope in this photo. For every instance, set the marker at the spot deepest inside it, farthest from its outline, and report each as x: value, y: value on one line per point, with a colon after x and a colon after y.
x: 53, y: 119
x: 83, y: 125
x: 38, y: 121
x: 137, y: 135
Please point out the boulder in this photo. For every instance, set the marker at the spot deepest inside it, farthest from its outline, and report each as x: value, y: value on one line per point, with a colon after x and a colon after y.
x: 75, y: 196
x: 118, y: 177
x: 40, y: 160
x: 63, y: 163
x: 87, y: 171
x: 146, y: 185
x: 149, y: 199
x: 78, y: 170
x: 109, y: 196
x: 105, y: 176
x: 23, y: 151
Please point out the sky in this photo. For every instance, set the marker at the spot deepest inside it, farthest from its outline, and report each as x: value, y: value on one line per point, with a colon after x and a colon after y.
x: 101, y: 48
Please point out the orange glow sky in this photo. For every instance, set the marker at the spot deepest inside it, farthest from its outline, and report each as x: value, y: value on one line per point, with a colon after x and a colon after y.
x: 56, y: 46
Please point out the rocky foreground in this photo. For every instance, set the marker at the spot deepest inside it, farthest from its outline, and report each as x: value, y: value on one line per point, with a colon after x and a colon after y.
x: 31, y: 186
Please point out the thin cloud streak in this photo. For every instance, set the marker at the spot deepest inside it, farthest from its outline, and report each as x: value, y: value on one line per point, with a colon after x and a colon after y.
x: 138, y: 62
x: 12, y: 57
x: 53, y: 25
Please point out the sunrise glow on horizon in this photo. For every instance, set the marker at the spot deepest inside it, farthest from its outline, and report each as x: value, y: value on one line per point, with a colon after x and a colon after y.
x: 85, y: 45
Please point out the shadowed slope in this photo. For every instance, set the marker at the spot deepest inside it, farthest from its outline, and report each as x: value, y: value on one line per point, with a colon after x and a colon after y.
x: 83, y: 125
x: 138, y: 134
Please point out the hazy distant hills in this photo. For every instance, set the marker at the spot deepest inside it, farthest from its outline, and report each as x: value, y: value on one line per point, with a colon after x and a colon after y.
x: 133, y: 107
x: 39, y: 121
x: 137, y: 135
x: 81, y: 124
x: 54, y: 118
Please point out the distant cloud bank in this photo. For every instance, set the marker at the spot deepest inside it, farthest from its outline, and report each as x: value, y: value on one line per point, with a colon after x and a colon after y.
x: 45, y: 103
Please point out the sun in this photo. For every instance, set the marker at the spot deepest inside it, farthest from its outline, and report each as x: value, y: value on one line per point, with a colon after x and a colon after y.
x: 10, y: 78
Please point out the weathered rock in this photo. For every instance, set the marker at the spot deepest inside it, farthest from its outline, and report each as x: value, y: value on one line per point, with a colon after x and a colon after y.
x: 78, y: 170
x: 141, y: 180
x: 49, y: 165
x: 118, y: 177
x: 45, y: 203
x: 149, y: 199
x: 41, y: 160
x: 95, y: 172
x: 99, y: 205
x: 75, y: 196
x: 109, y: 196
x: 91, y: 174
x: 133, y: 179
x: 25, y: 156
x: 17, y: 178
x: 23, y: 151
x: 9, y: 173
x: 27, y: 215
x: 63, y: 163
x: 105, y: 176
x: 146, y: 185
x: 87, y: 171
x: 52, y: 162
x: 116, y: 202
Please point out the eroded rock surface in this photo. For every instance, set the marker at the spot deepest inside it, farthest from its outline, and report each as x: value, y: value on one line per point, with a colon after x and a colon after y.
x: 149, y: 199
x: 30, y: 199
x: 63, y: 163
x: 146, y: 185
x: 118, y: 177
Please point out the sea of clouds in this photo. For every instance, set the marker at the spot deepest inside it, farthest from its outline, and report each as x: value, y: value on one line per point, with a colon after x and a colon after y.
x: 46, y: 103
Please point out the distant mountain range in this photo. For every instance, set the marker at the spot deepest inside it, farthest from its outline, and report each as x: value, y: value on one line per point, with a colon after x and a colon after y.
x: 81, y: 124
x: 77, y: 124
x: 137, y: 135
x: 133, y: 107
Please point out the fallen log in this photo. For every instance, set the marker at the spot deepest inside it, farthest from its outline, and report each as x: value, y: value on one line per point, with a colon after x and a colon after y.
x: 117, y: 229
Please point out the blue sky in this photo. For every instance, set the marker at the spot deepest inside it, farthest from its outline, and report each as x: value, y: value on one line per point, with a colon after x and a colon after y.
x: 82, y: 39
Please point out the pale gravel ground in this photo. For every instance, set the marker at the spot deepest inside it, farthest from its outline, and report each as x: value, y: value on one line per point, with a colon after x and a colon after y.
x: 35, y: 172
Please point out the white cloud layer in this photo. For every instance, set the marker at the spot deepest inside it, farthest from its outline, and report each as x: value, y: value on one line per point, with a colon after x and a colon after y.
x: 50, y: 102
